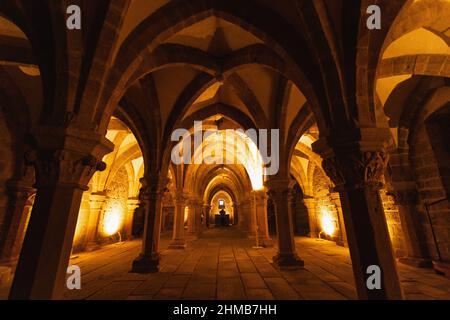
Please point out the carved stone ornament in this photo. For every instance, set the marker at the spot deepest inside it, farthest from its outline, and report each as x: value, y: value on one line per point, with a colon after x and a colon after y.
x: 358, y: 169
x: 63, y: 167
x: 152, y: 188
x: 279, y: 194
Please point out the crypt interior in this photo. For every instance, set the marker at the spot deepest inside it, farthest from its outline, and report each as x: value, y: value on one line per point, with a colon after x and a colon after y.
x: 86, y: 170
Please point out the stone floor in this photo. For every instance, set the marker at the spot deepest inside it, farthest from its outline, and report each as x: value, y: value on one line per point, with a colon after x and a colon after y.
x: 223, y: 265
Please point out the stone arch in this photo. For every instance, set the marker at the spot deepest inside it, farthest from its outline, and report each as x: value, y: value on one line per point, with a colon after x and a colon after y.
x: 163, y: 23
x: 223, y: 194
x: 414, y: 15
x: 398, y: 60
x: 303, y: 121
x: 230, y: 112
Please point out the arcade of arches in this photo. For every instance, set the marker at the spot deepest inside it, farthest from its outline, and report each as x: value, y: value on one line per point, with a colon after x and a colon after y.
x: 86, y: 119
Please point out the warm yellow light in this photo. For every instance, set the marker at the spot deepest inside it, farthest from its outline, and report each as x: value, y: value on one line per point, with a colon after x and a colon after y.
x: 186, y: 214
x: 30, y: 71
x: 327, y: 222
x: 112, y: 221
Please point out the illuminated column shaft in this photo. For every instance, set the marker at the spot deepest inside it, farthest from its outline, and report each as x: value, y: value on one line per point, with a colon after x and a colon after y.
x: 198, y: 217
x: 97, y: 203
x: 206, y: 211
x: 80, y: 239
x: 260, y: 198
x: 191, y: 217
x: 62, y: 175
x: 195, y: 217
x: 311, y: 205
x: 15, y: 222
x: 132, y: 205
x: 178, y: 240
x: 281, y: 195
x: 342, y: 235
x: 358, y: 176
x: 246, y: 216
x: 150, y: 196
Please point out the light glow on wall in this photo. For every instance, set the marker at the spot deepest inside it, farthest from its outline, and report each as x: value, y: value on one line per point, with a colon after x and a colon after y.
x: 327, y: 222
x: 112, y: 220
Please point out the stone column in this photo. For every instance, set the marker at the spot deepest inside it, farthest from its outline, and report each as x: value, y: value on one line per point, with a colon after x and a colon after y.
x: 310, y: 204
x: 342, y: 235
x: 245, y: 216
x: 65, y: 162
x: 416, y: 250
x: 178, y: 240
x: 357, y: 169
x: 262, y: 225
x: 280, y: 192
x: 191, y: 216
x: 206, y: 211
x: 150, y: 197
x: 15, y: 223
x: 132, y: 205
x: 80, y: 239
x: 195, y: 217
x: 235, y: 214
x: 198, y: 207
x: 97, y: 203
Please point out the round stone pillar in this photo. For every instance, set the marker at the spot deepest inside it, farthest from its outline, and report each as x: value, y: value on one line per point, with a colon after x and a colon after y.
x: 310, y: 204
x: 132, y: 205
x: 281, y: 194
x: 205, y: 218
x: 150, y: 196
x: 15, y: 221
x: 97, y: 202
x: 65, y: 160
x: 260, y: 218
x: 357, y: 171
x: 178, y: 238
x: 342, y: 235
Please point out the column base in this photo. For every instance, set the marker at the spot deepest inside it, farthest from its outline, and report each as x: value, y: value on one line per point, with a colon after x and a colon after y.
x: 192, y: 236
x: 313, y: 234
x: 178, y: 244
x: 146, y: 264
x: 266, y: 242
x: 416, y: 262
x: 341, y: 243
x: 288, y: 261
x: 442, y: 267
x: 92, y: 246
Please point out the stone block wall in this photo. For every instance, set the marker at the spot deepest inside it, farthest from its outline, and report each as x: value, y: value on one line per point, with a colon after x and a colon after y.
x: 6, y: 165
x: 430, y: 184
x: 394, y: 224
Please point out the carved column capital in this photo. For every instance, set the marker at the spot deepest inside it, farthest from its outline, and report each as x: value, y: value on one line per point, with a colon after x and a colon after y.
x: 19, y: 190
x: 153, y: 187
x: 279, y: 189
x: 66, y: 155
x: 356, y: 169
x: 64, y: 167
x: 260, y: 195
x: 180, y: 199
